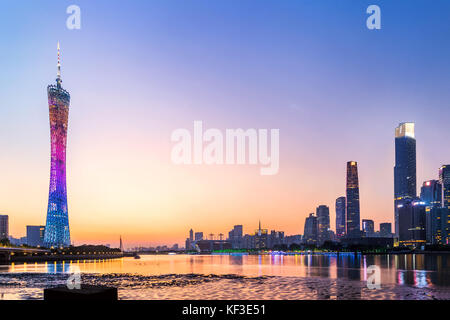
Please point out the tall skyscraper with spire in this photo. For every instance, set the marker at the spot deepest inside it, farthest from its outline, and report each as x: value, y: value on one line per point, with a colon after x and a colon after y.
x: 352, y: 200
x: 405, y: 167
x: 57, y: 233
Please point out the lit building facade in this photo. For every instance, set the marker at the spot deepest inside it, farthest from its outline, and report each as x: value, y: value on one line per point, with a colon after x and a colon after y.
x: 368, y: 226
x: 340, y: 217
x: 198, y: 236
x: 235, y: 236
x: 275, y: 238
x: 431, y: 193
x: 386, y: 229
x: 4, y: 227
x: 405, y: 167
x: 437, y: 225
x: 352, y: 200
x: 412, y: 223
x: 444, y: 179
x: 261, y: 238
x: 57, y: 231
x: 310, y: 234
x: 35, y: 236
x: 323, y: 223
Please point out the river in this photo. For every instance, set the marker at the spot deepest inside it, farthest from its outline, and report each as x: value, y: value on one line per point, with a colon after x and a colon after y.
x: 291, y: 277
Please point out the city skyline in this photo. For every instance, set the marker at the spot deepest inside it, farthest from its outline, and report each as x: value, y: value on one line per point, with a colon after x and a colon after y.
x: 126, y: 103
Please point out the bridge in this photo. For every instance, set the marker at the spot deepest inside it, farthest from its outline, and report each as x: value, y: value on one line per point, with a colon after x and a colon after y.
x: 5, y: 252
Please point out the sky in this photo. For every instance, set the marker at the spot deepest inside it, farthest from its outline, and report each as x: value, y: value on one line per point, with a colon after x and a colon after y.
x: 138, y: 70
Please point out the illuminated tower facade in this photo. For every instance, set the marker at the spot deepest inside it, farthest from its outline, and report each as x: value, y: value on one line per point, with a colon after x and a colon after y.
x: 57, y: 233
x: 405, y: 167
x: 352, y: 199
x: 444, y: 178
x: 323, y: 223
x: 340, y: 217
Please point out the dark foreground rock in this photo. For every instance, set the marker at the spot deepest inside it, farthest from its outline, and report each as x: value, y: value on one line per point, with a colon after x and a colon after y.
x: 86, y: 292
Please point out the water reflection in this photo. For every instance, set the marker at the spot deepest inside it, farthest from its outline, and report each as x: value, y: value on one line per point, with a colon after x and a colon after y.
x: 419, y: 270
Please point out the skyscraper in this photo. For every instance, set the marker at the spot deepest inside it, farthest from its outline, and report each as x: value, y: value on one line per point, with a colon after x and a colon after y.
x: 261, y: 237
x: 235, y: 236
x: 57, y: 231
x: 431, y: 193
x: 311, y: 230
x: 35, y: 235
x: 323, y: 223
x: 437, y: 225
x: 340, y: 217
x: 412, y: 222
x: 436, y: 216
x: 352, y: 205
x: 368, y: 227
x: 405, y: 167
x: 4, y: 227
x: 198, y: 236
x: 386, y: 229
x: 444, y: 179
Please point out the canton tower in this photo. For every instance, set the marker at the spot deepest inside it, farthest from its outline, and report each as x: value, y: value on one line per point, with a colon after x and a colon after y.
x: 57, y: 233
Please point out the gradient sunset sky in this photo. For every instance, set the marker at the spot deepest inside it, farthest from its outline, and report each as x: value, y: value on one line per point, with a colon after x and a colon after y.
x: 137, y: 70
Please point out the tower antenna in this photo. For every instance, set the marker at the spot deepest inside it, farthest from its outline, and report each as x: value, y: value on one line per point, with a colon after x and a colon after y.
x: 58, y: 75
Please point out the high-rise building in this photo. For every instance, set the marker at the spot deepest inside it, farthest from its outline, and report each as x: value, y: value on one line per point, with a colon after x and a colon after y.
x: 368, y: 226
x: 235, y: 237
x: 261, y: 238
x: 323, y: 223
x: 412, y: 222
x: 310, y: 234
x: 437, y: 225
x: 4, y: 227
x: 405, y: 167
x: 275, y: 238
x: 352, y: 200
x: 444, y: 179
x: 57, y: 231
x: 431, y: 193
x: 386, y: 229
x: 35, y: 236
x: 191, y: 235
x: 198, y: 236
x: 340, y: 217
x: 436, y: 217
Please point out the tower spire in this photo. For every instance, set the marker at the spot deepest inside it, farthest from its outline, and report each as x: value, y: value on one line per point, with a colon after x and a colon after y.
x: 58, y: 75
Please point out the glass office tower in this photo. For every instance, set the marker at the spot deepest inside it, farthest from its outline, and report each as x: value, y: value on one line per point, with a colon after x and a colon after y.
x: 340, y: 217
x: 444, y: 179
x: 323, y: 223
x: 352, y: 205
x: 405, y: 167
